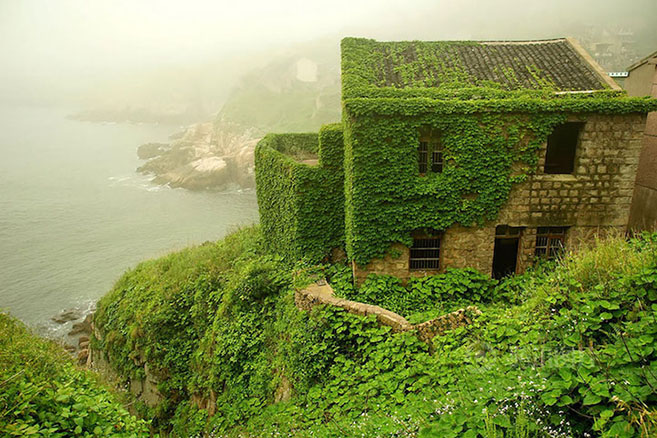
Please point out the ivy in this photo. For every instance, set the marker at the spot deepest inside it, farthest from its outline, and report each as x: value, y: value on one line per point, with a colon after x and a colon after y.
x: 302, y: 205
x: 484, y: 156
x: 491, y: 132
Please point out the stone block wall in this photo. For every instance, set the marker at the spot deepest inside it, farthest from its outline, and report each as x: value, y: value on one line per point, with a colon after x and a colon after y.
x: 321, y: 293
x: 595, y: 199
x: 644, y: 205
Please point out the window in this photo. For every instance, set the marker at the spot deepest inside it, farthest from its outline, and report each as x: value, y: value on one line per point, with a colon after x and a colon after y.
x: 425, y: 253
x: 430, y: 154
x: 423, y: 152
x: 550, y: 241
x: 505, y: 252
x: 561, y: 147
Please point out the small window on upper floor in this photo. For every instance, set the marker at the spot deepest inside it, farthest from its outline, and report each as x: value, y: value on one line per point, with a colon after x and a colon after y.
x: 430, y: 153
x: 561, y: 148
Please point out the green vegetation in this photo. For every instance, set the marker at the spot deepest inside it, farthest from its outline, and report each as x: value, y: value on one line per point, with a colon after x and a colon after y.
x: 422, y: 298
x: 43, y: 394
x: 490, y: 132
x: 302, y: 205
x: 566, y: 350
x: 273, y: 99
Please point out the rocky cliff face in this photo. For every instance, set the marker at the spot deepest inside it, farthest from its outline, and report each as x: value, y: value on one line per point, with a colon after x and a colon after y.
x: 297, y: 92
x: 204, y: 157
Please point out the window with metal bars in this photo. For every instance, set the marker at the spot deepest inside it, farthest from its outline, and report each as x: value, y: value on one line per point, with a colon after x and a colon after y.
x: 430, y: 155
x: 423, y: 155
x: 425, y: 253
x: 550, y: 241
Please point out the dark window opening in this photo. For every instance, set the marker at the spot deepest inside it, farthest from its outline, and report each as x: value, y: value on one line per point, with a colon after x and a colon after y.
x: 425, y: 253
x: 505, y: 254
x: 561, y: 148
x: 550, y: 242
x: 430, y: 154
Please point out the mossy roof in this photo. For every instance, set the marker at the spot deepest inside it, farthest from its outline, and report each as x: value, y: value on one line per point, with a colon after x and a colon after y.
x: 558, y: 65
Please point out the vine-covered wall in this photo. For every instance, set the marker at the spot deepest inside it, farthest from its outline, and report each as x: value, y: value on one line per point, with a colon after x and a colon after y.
x: 492, y: 134
x: 365, y: 191
x: 484, y: 155
x: 301, y: 202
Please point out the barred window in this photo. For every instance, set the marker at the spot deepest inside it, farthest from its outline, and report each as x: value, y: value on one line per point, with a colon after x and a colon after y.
x: 430, y: 154
x: 550, y: 241
x: 423, y: 153
x: 437, y: 158
x: 425, y: 253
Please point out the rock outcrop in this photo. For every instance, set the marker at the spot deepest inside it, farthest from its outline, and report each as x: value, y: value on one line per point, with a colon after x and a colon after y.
x: 206, y: 156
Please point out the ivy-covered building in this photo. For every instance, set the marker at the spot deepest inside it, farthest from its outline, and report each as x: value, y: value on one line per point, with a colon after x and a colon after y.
x: 456, y: 154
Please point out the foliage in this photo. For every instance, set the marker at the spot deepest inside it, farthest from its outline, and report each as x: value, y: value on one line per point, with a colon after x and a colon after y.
x: 554, y: 366
x: 442, y: 292
x: 568, y: 350
x: 301, y: 205
x: 158, y: 312
x: 42, y: 394
x: 491, y: 134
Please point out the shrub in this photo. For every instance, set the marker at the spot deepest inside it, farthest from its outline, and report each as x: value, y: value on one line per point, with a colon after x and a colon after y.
x: 43, y: 394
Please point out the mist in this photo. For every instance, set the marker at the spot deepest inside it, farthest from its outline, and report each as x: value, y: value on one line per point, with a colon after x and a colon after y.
x: 82, y: 54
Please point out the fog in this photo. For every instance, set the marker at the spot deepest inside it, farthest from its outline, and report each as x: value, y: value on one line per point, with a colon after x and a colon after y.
x: 80, y: 53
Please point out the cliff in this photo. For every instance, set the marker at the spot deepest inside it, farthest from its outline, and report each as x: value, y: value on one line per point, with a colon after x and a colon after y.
x: 297, y: 92
x: 211, y: 341
x: 42, y: 393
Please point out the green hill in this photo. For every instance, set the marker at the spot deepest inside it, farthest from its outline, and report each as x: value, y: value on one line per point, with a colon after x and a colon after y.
x: 565, y: 350
x: 299, y: 91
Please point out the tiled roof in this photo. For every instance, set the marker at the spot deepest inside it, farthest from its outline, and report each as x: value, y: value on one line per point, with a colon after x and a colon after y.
x: 642, y: 61
x: 514, y: 65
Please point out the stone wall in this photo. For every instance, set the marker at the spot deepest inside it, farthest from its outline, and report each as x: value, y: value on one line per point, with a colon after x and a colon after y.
x: 144, y: 389
x: 322, y: 294
x: 644, y: 204
x: 595, y: 199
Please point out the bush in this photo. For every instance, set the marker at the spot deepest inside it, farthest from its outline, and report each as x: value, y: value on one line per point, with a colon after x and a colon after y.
x: 428, y: 295
x: 42, y: 394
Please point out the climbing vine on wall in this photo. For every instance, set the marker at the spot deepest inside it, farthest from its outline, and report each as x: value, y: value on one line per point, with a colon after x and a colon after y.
x: 484, y: 156
x: 491, y: 134
x: 301, y: 205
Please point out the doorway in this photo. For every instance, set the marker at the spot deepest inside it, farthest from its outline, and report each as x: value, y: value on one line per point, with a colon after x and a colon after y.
x: 505, y: 254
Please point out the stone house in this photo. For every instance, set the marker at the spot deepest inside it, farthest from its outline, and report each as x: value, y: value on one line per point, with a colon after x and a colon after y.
x: 642, y: 81
x: 456, y: 154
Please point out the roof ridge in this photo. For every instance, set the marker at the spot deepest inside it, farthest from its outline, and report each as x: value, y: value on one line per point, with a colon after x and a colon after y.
x: 520, y: 42
x: 602, y: 75
x: 642, y: 61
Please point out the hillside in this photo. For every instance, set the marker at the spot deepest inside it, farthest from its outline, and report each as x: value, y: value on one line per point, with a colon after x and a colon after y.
x: 43, y: 394
x: 298, y: 91
x: 564, y: 350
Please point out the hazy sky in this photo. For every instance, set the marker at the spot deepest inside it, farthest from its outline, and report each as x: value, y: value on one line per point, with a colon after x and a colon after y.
x: 67, y: 44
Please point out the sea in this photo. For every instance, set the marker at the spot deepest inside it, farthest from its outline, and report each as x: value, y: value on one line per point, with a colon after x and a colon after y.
x: 75, y: 214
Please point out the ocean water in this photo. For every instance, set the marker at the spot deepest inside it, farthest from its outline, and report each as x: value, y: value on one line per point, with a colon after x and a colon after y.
x: 74, y: 213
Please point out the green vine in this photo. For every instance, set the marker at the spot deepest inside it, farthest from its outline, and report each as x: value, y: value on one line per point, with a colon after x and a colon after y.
x: 491, y: 131
x: 384, y: 206
x: 302, y: 204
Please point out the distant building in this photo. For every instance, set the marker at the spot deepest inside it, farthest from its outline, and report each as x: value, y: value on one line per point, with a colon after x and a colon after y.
x: 456, y: 154
x: 642, y: 81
